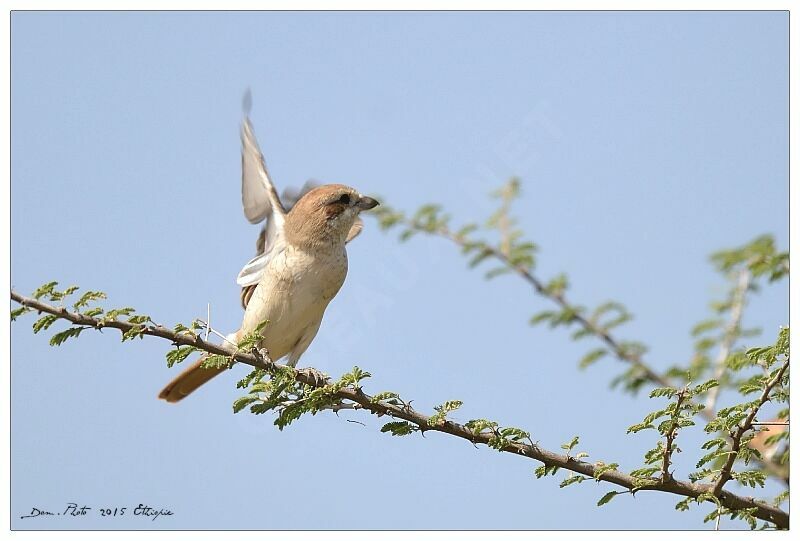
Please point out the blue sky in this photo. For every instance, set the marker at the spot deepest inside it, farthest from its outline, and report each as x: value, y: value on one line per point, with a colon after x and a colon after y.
x: 644, y: 142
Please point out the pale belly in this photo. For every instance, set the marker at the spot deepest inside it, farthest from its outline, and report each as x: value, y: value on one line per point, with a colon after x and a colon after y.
x: 293, y: 295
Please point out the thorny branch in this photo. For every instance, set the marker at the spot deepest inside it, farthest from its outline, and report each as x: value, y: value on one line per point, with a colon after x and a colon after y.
x: 730, y: 500
x: 603, y: 334
x: 560, y: 300
x: 670, y: 437
x: 747, y: 424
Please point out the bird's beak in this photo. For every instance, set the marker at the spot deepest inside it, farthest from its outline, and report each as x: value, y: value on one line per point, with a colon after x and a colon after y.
x: 366, y: 203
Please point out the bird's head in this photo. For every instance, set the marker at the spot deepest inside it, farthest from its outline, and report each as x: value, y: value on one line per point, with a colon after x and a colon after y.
x: 324, y: 216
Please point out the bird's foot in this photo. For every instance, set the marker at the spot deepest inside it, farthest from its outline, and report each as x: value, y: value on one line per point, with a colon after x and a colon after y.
x: 318, y: 378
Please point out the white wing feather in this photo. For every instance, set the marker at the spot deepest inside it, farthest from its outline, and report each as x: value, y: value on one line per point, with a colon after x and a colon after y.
x: 259, y: 197
x: 251, y: 273
x: 260, y: 202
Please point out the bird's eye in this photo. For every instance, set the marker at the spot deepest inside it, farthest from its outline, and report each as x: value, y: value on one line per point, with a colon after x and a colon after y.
x: 344, y: 199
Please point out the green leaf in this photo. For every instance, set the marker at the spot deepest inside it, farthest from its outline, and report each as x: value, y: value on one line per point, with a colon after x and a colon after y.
x: 782, y: 497
x: 514, y: 434
x: 719, y: 443
x: 705, y: 326
x: 387, y: 217
x: 289, y: 414
x: 178, y: 355
x: 581, y: 333
x: 88, y: 297
x: 134, y: 332
x: 544, y: 470
x: 751, y: 478
x: 18, y: 312
x: 242, y: 402
x: 399, y: 428
x: 592, y: 357
x: 639, y: 427
x: 703, y: 387
x: 385, y: 395
x: 600, y: 468
x: 557, y: 285
x: 632, y: 350
x: 253, y: 338
x: 478, y: 426
x: 216, y: 361
x: 654, y: 456
x: 663, y: 391
x: 465, y: 231
x: 352, y: 378
x: 565, y: 316
x: 93, y: 312
x: 542, y: 316
x: 43, y: 290
x: 63, y: 336
x: 497, y: 271
x: 59, y: 295
x: 570, y: 444
x: 645, y: 472
x: 255, y: 375
x: 750, y: 388
x: 139, y: 319
x: 441, y: 412
x: 572, y: 479
x: 478, y: 258
x: 713, y: 455
x: 607, y: 497
x: 702, y: 474
x: 112, y: 315
x: 43, y: 323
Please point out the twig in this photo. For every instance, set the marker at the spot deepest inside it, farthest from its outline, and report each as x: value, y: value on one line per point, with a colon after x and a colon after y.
x: 670, y: 437
x: 730, y: 500
x: 747, y: 424
x: 208, y: 324
x: 213, y: 331
x: 561, y: 301
x: 729, y: 336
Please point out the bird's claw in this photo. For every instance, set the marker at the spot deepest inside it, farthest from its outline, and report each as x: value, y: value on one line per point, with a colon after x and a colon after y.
x: 319, y: 378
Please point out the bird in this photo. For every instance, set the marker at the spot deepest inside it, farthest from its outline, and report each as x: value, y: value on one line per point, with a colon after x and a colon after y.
x: 288, y: 198
x: 300, y: 264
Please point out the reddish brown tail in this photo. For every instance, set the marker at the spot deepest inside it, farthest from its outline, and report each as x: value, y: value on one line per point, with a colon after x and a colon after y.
x: 187, y: 381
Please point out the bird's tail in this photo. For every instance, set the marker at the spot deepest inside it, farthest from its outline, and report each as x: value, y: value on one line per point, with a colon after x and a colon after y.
x: 187, y: 381
x: 192, y: 378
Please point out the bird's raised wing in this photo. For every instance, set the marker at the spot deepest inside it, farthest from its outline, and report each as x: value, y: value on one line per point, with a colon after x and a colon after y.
x: 259, y: 198
x: 260, y: 201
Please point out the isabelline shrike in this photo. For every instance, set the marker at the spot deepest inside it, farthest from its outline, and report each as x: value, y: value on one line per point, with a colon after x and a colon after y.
x: 300, y: 266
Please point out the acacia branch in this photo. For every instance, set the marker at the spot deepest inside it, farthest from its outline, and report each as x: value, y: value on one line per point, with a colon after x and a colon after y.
x: 670, y: 437
x: 603, y: 334
x: 730, y: 500
x: 558, y: 298
x: 736, y: 440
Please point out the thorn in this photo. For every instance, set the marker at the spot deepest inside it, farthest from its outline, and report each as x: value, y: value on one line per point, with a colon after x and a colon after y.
x: 208, y: 320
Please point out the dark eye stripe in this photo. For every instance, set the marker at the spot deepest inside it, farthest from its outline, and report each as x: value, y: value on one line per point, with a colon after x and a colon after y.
x: 344, y: 199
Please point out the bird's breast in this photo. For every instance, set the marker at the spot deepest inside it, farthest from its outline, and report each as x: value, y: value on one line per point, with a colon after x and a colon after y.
x: 292, y: 295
